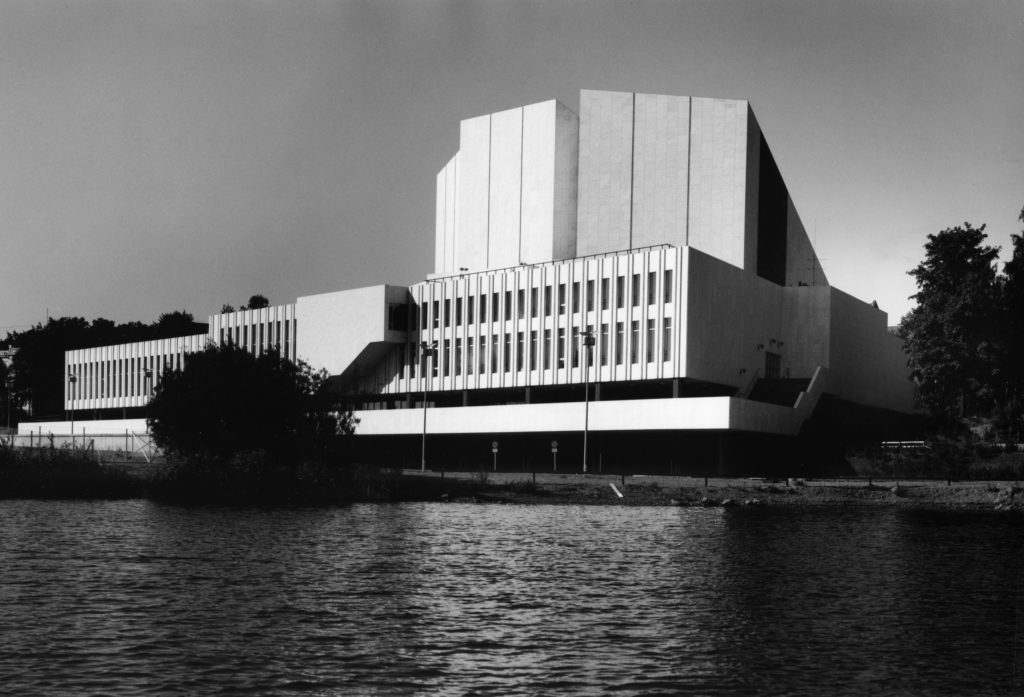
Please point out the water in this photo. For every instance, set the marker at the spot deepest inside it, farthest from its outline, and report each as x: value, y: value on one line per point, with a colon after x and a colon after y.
x: 132, y: 597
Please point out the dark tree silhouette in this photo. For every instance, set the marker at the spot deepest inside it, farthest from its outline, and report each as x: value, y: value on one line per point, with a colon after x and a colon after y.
x: 226, y: 401
x: 951, y: 335
x: 1012, y: 324
x: 256, y: 302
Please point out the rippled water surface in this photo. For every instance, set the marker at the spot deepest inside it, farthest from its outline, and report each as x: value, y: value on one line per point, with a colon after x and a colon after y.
x: 141, y: 598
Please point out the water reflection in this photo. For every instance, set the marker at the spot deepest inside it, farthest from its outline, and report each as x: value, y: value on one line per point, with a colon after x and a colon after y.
x: 132, y: 597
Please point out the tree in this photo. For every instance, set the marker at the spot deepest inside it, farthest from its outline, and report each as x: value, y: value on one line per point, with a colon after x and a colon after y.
x: 38, y: 366
x: 37, y: 369
x: 950, y: 336
x: 256, y: 302
x: 1012, y: 326
x: 178, y: 323
x: 226, y: 401
x: 7, y: 407
x: 226, y: 309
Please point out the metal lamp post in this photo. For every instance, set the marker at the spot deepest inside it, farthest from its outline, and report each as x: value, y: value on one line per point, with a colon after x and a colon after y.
x: 426, y: 349
x: 72, y: 379
x: 587, y: 335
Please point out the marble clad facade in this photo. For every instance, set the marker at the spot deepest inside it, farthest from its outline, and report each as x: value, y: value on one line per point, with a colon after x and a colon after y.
x: 659, y: 225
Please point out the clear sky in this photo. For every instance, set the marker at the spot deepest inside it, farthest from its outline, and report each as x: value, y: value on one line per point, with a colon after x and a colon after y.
x: 181, y: 154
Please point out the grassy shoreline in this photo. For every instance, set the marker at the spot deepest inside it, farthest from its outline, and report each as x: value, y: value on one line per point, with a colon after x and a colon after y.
x: 579, y: 489
x: 64, y: 474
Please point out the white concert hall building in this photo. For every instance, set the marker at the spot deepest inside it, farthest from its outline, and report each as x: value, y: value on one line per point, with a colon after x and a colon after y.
x: 634, y: 276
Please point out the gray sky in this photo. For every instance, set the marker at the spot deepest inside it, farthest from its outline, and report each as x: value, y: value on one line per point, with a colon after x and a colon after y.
x: 168, y: 154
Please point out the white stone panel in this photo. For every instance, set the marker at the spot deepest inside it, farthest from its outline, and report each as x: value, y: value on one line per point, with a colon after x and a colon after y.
x: 472, y: 199
x: 567, y: 139
x: 733, y: 317
x: 698, y: 413
x: 660, y: 169
x: 868, y: 364
x: 505, y: 189
x: 335, y: 328
x: 718, y: 160
x: 605, y: 172
x: 538, y: 205
x: 806, y: 321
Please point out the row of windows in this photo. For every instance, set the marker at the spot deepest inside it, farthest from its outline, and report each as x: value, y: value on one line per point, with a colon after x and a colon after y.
x: 119, y: 377
x: 477, y: 306
x: 487, y: 355
x: 257, y: 337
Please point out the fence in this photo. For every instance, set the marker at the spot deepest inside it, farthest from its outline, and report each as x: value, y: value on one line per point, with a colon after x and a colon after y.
x: 129, y: 444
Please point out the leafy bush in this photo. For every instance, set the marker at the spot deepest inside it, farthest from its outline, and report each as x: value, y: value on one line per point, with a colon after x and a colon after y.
x: 225, y: 402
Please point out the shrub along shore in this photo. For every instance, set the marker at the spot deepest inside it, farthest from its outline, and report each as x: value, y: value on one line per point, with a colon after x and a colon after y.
x: 253, y: 479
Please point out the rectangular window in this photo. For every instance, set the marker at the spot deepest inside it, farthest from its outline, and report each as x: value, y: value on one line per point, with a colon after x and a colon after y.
x: 458, y: 312
x: 636, y: 290
x: 494, y: 353
x: 411, y: 351
x: 432, y: 357
x: 605, y: 302
x: 576, y: 339
x: 620, y: 292
x: 470, y: 356
x: 521, y: 297
x: 668, y: 286
x: 482, y: 362
x: 547, y: 349
x: 650, y: 340
x: 561, y: 347
x: 772, y: 365
x: 604, y: 344
x: 590, y: 295
x: 533, y: 349
x: 469, y: 309
x: 620, y: 340
x: 447, y: 313
x: 547, y: 301
x: 494, y: 307
x: 652, y: 287
x: 575, y: 296
x: 508, y: 304
x: 447, y: 357
x: 437, y: 313
x: 507, y: 356
x: 483, y: 308
x: 520, y: 350
x: 561, y: 298
x: 634, y: 348
x: 534, y: 303
x: 666, y: 339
